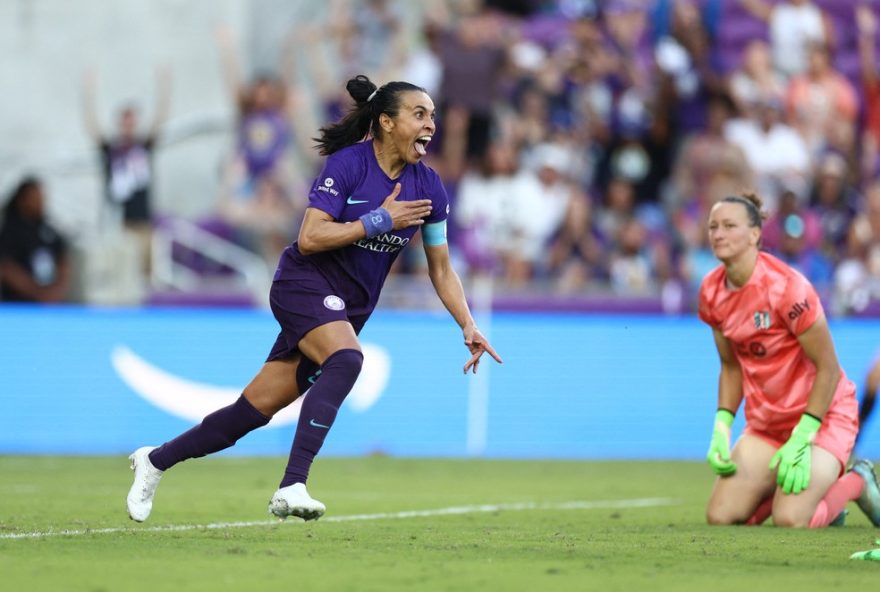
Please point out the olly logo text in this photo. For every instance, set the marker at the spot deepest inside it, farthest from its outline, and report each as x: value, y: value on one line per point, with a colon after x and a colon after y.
x: 798, y: 309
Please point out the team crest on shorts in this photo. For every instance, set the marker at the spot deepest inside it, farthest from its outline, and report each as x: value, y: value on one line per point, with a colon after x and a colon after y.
x: 334, y: 302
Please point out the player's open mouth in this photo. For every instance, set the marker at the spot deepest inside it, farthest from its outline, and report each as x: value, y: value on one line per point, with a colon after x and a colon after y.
x: 421, y: 145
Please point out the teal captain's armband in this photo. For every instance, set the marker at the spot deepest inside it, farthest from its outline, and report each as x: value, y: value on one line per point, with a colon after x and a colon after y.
x: 434, y: 234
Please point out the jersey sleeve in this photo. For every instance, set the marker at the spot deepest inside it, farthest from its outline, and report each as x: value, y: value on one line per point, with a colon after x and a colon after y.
x: 705, y: 308
x: 439, y: 199
x: 333, y: 186
x: 799, y: 305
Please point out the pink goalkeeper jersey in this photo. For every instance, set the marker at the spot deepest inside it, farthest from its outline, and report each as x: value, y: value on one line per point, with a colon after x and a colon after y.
x: 762, y: 320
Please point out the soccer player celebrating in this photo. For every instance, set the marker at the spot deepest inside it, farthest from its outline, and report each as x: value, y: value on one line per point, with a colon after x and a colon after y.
x: 801, y: 412
x: 372, y: 196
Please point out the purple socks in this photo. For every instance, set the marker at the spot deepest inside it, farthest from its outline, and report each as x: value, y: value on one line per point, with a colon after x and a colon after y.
x: 224, y: 427
x: 337, y: 376
x: 217, y: 431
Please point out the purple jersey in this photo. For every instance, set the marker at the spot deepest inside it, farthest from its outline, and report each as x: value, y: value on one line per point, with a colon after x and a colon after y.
x: 350, y: 185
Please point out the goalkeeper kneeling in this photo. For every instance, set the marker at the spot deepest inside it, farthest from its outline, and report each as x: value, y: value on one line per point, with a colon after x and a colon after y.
x: 801, y: 413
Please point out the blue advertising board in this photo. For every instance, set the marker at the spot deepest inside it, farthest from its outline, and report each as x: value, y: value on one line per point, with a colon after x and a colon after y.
x: 78, y: 380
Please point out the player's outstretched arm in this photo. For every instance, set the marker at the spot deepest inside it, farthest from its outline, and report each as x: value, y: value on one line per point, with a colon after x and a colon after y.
x: 163, y: 99
x: 89, y: 109
x: 448, y: 287
x: 866, y: 23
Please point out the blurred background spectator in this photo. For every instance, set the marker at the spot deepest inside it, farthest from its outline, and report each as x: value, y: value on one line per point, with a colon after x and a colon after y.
x: 756, y: 81
x: 794, y: 234
x: 794, y: 26
x: 866, y: 20
x: 262, y: 190
x: 127, y: 162
x: 34, y: 263
x: 582, y: 142
x: 822, y: 104
x: 858, y: 276
x: 836, y: 202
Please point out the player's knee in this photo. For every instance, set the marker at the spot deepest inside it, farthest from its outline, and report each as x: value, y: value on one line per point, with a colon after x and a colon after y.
x: 717, y: 516
x: 345, y: 363
x: 788, y: 517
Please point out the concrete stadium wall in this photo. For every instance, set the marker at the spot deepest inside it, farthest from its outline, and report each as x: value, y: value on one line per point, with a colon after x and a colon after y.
x: 104, y: 381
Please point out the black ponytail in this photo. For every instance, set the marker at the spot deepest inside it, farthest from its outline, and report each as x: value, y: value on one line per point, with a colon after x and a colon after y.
x: 363, y: 118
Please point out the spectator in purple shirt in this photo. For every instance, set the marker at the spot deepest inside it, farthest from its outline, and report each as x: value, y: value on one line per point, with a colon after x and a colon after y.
x: 368, y: 202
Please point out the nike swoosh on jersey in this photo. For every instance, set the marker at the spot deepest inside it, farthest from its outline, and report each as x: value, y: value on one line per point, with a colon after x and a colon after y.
x: 352, y: 202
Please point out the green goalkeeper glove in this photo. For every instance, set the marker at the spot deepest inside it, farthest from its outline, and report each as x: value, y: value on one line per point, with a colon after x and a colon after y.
x: 793, y: 458
x: 719, y: 448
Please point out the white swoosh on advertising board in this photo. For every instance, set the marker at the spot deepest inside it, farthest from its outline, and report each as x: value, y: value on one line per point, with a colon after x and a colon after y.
x: 192, y: 400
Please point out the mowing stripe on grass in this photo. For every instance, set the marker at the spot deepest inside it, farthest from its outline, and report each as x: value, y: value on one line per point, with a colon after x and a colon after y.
x: 649, y: 502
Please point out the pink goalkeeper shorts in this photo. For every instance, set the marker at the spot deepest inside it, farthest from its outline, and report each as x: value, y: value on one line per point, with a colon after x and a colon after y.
x: 837, y: 434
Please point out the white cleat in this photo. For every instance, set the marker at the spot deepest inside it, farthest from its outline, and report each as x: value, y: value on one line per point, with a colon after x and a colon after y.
x: 146, y: 480
x: 294, y: 500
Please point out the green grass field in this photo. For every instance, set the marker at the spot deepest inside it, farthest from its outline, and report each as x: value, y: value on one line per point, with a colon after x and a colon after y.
x: 641, y: 525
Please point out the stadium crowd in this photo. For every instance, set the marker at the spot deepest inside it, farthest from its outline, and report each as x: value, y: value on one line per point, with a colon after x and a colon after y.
x: 583, y: 141
x: 612, y: 127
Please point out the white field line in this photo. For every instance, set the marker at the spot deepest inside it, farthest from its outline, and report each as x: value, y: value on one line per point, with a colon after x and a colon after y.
x: 650, y: 502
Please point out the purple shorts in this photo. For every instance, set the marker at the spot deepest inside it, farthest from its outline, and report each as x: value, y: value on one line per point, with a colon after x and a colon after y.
x: 302, y: 304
